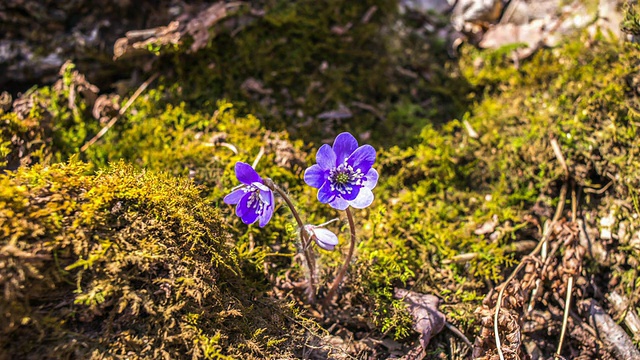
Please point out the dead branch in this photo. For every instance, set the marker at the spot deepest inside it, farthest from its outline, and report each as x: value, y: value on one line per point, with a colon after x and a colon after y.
x: 620, y: 304
x: 612, y: 335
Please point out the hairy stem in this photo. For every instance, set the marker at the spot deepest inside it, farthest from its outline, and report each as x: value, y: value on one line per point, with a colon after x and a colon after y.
x: 306, y: 249
x: 347, y: 260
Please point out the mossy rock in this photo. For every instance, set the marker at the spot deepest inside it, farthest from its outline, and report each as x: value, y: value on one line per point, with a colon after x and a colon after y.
x: 126, y: 263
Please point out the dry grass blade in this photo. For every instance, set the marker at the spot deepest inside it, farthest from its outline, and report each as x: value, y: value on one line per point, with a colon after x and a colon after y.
x: 567, y: 307
x: 124, y: 109
x: 565, y: 317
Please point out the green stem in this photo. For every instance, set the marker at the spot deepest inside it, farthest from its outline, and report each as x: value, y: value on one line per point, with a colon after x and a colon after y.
x: 306, y: 249
x: 347, y: 261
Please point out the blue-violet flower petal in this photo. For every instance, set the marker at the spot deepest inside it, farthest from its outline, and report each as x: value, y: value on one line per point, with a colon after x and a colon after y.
x: 343, y: 146
x: 344, y: 174
x: 326, y: 157
x: 246, y: 174
x: 254, y: 200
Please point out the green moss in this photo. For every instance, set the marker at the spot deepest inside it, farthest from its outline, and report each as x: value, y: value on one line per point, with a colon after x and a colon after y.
x: 436, y: 189
x: 440, y: 191
x: 306, y: 58
x: 126, y: 263
x: 49, y: 123
x: 631, y: 22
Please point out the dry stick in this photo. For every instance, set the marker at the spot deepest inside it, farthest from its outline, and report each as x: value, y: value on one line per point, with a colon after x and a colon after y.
x: 567, y: 303
x: 343, y: 270
x: 121, y: 112
x: 599, y: 191
x: 565, y: 317
x: 544, y: 252
x: 620, y: 304
x: 305, y: 241
x: 459, y: 333
x: 534, y: 252
x: 616, y: 340
x: 558, y: 152
x: 545, y: 236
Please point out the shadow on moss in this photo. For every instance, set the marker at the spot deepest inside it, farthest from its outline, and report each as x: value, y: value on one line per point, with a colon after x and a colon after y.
x: 317, y: 69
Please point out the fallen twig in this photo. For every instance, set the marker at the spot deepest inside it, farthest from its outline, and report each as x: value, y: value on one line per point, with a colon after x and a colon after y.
x: 459, y: 333
x: 11, y: 251
x: 598, y: 191
x: 620, y: 304
x: 567, y: 303
x: 544, y: 251
x: 558, y: 153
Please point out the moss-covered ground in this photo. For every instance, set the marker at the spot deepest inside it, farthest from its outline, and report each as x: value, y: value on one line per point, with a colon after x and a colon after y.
x: 123, y: 263
x: 126, y: 249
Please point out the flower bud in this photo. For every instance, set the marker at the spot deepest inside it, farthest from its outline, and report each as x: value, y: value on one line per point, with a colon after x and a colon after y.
x: 323, y: 237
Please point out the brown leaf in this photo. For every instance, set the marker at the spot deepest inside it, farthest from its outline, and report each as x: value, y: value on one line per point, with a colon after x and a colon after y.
x: 424, y: 308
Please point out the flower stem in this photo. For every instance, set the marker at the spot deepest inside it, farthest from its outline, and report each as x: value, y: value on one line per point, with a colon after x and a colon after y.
x: 347, y: 261
x: 306, y: 249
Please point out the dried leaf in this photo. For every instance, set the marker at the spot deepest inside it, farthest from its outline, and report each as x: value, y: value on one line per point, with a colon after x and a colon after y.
x: 475, y: 12
x: 424, y: 308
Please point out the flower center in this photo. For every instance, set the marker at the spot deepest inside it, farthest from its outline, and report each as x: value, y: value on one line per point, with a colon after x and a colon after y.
x: 255, y: 201
x: 344, y: 178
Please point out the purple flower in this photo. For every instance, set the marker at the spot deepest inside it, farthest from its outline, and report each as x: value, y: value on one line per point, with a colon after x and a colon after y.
x: 323, y: 237
x: 343, y: 173
x: 254, y: 199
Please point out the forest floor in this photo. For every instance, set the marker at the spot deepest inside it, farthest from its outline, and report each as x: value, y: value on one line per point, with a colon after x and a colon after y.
x: 505, y: 223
